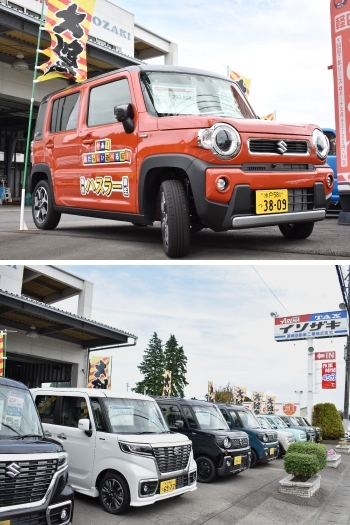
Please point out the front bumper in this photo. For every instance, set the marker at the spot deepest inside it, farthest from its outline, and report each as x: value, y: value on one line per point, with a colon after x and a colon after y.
x: 271, y: 452
x: 234, y: 462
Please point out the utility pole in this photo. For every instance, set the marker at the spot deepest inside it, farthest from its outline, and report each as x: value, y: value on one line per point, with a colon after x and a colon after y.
x: 344, y: 282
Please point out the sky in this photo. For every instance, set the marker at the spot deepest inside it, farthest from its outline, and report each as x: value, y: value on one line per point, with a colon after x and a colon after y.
x: 283, y: 46
x: 220, y: 314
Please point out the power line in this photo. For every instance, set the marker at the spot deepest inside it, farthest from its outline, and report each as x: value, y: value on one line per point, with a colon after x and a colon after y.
x: 275, y: 296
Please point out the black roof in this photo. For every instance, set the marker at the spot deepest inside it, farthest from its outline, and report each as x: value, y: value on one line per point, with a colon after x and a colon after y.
x: 231, y: 405
x: 183, y: 400
x: 4, y: 381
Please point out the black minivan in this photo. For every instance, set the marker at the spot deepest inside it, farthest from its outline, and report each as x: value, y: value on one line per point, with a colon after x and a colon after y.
x: 217, y: 450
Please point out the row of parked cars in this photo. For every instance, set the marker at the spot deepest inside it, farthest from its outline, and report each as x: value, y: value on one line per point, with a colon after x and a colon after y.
x: 126, y: 449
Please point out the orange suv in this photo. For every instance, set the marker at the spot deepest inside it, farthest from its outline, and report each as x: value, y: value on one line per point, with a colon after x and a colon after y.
x: 176, y: 145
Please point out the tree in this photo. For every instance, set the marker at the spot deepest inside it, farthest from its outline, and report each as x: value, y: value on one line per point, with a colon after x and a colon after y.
x: 328, y: 418
x: 152, y: 368
x: 176, y: 362
x: 224, y: 394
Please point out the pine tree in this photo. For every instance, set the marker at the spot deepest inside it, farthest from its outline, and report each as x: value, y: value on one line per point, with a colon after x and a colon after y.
x: 176, y: 362
x: 152, y: 368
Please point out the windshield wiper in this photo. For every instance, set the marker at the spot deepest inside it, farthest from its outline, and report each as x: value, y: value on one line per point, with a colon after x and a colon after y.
x: 28, y: 436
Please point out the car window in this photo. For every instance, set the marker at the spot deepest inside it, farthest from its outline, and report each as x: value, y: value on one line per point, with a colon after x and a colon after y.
x: 73, y: 408
x: 189, y: 416
x: 98, y: 415
x: 235, y: 418
x: 171, y: 414
x: 46, y: 407
x: 40, y: 121
x: 64, y: 114
x: 104, y: 98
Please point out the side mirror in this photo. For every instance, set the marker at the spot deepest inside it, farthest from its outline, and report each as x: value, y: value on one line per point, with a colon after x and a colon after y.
x: 84, y: 424
x: 125, y: 115
x: 179, y: 423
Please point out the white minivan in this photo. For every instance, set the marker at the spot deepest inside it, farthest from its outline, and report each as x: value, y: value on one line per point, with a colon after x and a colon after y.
x: 120, y: 448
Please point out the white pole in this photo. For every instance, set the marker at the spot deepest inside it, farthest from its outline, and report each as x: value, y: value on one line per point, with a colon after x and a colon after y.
x: 310, y: 379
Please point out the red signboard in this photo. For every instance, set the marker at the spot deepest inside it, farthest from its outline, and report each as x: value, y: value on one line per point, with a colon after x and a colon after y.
x: 340, y: 23
x: 329, y: 375
x: 324, y: 356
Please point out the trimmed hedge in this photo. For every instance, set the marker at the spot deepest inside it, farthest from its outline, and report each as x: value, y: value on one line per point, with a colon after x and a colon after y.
x: 327, y: 417
x: 304, y: 460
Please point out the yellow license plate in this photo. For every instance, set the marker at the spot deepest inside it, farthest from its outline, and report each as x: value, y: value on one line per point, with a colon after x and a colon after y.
x: 272, y: 451
x: 167, y: 486
x: 271, y: 201
x: 237, y: 460
x: 5, y: 522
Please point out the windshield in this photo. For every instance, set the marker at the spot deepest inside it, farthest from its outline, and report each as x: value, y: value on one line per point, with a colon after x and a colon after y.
x: 210, y: 418
x: 294, y: 421
x: 280, y: 422
x: 170, y: 94
x: 134, y: 416
x: 19, y: 417
x: 247, y: 418
x: 264, y: 423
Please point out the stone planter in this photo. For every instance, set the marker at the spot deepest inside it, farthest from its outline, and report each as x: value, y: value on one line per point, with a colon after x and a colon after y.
x: 333, y: 460
x: 303, y: 489
x: 344, y: 449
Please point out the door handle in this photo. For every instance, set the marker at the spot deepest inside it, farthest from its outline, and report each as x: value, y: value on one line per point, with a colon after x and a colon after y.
x: 49, y: 144
x: 61, y: 436
x: 87, y: 141
x: 47, y: 433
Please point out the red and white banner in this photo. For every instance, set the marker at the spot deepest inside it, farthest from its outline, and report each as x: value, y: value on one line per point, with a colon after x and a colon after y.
x: 340, y: 28
x: 325, y: 356
x: 329, y: 375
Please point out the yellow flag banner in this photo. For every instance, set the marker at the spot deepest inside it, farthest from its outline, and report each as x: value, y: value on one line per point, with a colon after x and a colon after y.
x: 269, y: 116
x: 68, y: 23
x: 270, y: 404
x: 211, y: 393
x: 167, y: 384
x: 1, y: 354
x: 100, y: 372
x: 257, y: 401
x: 243, y: 82
x: 239, y: 394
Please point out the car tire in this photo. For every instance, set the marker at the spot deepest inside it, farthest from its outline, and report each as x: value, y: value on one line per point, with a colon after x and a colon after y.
x: 175, y: 218
x: 254, y: 458
x: 44, y: 216
x: 297, y: 230
x: 114, y: 493
x: 206, y: 469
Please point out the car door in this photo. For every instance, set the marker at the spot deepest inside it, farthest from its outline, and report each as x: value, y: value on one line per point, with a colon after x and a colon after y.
x: 108, y: 153
x: 80, y: 447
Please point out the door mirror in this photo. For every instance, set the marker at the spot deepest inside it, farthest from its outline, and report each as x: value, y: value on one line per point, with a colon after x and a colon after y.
x: 84, y: 424
x: 179, y: 423
x: 125, y: 115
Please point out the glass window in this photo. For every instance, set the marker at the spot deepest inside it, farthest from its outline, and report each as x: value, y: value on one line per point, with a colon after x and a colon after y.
x: 189, y: 416
x: 18, y: 416
x: 171, y: 414
x: 104, y: 98
x: 134, y: 416
x: 64, y: 114
x: 209, y: 417
x: 264, y: 423
x: 248, y: 420
x: 40, y: 121
x: 98, y: 415
x: 168, y: 94
x: 46, y: 407
x: 73, y: 408
x: 235, y: 419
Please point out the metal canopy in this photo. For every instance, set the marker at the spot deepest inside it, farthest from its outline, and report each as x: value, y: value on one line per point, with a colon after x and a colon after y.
x: 21, y: 312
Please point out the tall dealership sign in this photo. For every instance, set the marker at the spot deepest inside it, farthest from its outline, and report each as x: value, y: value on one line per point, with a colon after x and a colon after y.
x: 311, y: 326
x: 340, y: 31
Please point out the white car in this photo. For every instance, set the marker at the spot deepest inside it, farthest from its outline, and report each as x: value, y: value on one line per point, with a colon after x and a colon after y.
x: 119, y: 445
x: 285, y: 437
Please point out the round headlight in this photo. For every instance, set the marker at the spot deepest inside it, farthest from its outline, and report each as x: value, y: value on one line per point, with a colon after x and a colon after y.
x: 265, y: 438
x: 222, y: 139
x: 321, y: 143
x: 227, y: 443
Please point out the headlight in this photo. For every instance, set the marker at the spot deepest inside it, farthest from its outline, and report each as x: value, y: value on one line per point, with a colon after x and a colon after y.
x: 132, y: 448
x: 222, y: 139
x: 62, y: 460
x: 321, y: 143
x: 263, y: 437
x: 223, y: 441
x: 227, y: 443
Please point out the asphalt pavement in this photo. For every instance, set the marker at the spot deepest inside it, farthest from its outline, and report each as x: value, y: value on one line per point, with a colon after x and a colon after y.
x: 250, y: 498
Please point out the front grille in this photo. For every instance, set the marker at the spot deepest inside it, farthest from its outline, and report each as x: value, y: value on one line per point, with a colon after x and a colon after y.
x: 171, y: 459
x: 294, y: 147
x: 277, y: 167
x: 239, y: 443
x: 244, y: 464
x: 299, y: 199
x: 30, y: 485
x: 271, y: 438
x: 34, y: 518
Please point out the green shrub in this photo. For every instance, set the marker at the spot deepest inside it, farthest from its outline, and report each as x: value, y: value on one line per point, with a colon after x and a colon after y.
x: 302, y: 466
x: 304, y: 460
x: 327, y: 417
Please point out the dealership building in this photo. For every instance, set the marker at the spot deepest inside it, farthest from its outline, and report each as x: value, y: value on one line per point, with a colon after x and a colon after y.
x: 44, y: 343
x: 115, y: 41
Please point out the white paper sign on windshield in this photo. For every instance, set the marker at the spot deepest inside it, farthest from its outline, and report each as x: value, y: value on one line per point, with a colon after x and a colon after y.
x: 121, y: 415
x: 174, y: 99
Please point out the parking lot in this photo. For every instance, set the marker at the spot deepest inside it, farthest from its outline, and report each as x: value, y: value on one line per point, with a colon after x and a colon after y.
x: 249, y: 498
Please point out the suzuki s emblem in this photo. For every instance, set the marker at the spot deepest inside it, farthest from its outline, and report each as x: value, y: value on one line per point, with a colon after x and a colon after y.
x: 177, y: 451
x: 13, y: 470
x: 282, y: 147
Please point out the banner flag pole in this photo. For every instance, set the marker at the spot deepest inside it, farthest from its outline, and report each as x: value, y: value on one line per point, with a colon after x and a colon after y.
x: 22, y: 225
